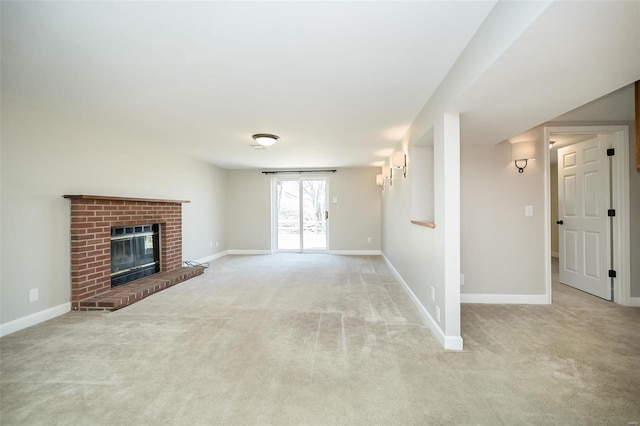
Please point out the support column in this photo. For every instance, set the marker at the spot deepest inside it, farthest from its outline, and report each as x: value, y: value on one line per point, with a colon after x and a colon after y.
x: 451, y: 223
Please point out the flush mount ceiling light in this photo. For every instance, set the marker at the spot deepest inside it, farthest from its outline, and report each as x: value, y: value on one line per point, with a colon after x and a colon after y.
x: 265, y: 139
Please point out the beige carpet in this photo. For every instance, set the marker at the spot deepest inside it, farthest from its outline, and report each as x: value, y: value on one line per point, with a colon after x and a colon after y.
x: 319, y: 340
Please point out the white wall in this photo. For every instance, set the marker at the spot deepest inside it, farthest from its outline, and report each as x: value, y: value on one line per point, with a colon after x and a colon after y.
x: 248, y: 210
x: 355, y: 218
x: 502, y: 249
x: 422, y: 193
x: 424, y: 257
x: 46, y: 156
x: 358, y: 214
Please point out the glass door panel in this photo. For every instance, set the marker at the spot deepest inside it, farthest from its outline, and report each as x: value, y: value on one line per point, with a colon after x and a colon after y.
x: 288, y: 214
x: 314, y: 208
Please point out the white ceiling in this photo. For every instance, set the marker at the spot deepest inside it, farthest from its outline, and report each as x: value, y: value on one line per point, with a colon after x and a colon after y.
x: 339, y: 82
x: 573, y: 53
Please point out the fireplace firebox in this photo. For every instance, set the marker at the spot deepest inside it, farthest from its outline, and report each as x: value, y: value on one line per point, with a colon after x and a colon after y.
x: 135, y: 253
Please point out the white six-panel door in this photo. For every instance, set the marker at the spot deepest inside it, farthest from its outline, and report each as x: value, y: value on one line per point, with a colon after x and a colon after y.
x: 583, y: 201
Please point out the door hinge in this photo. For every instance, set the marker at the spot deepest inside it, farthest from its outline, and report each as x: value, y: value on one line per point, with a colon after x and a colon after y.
x: 611, y: 152
x: 612, y: 273
x: 611, y: 212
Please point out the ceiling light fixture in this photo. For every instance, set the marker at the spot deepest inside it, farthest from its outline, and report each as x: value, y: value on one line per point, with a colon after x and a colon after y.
x: 265, y: 139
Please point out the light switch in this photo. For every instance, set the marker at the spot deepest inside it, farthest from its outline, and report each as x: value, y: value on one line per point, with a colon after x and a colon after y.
x: 528, y: 210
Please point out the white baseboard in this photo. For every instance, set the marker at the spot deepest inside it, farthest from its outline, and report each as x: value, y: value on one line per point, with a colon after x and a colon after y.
x: 356, y: 252
x: 212, y: 257
x: 33, y: 319
x: 517, y: 299
x: 454, y: 343
x: 336, y: 252
x: 245, y: 252
x: 634, y: 301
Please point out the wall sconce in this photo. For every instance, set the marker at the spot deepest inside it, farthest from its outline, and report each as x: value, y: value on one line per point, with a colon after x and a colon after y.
x: 521, y: 152
x: 400, y: 162
x: 387, y: 174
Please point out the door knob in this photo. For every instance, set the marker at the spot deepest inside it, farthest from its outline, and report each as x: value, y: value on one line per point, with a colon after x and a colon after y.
x: 560, y: 222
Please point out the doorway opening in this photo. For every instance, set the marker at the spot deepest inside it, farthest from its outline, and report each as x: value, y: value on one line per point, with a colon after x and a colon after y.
x: 587, y: 211
x: 300, y: 214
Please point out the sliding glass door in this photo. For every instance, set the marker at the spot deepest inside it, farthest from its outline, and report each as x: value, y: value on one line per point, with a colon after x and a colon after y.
x: 300, y: 214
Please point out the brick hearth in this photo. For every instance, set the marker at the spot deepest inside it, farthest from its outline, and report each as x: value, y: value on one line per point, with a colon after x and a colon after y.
x: 92, y: 217
x: 126, y: 294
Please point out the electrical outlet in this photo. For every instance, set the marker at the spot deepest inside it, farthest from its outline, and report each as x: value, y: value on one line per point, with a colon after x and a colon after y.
x: 528, y: 210
x: 369, y: 240
x: 33, y: 295
x: 438, y: 313
x: 461, y: 279
x: 433, y: 294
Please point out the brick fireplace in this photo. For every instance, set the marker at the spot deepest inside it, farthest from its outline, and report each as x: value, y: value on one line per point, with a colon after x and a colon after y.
x: 92, y: 218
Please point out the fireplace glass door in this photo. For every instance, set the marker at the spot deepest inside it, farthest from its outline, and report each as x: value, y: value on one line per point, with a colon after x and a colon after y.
x: 122, y: 257
x: 134, y: 253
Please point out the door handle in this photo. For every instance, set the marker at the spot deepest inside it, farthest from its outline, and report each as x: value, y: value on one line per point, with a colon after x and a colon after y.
x: 560, y: 222
x: 326, y: 215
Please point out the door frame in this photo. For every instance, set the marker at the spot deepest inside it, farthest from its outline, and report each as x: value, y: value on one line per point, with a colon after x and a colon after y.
x: 274, y: 210
x: 620, y: 191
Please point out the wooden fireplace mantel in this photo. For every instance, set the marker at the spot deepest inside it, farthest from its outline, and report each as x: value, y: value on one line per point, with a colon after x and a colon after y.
x: 109, y: 198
